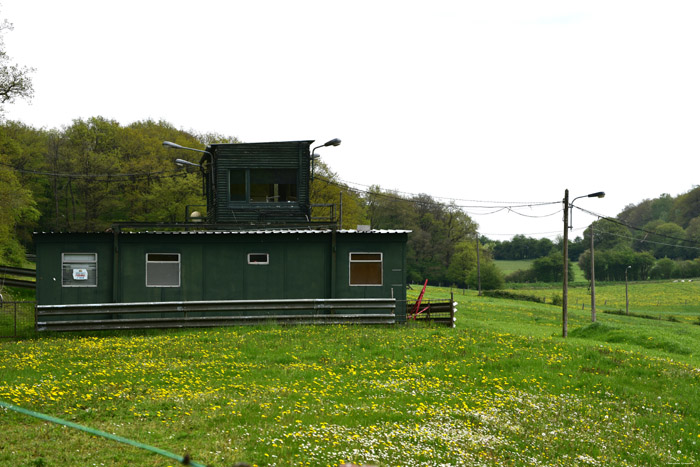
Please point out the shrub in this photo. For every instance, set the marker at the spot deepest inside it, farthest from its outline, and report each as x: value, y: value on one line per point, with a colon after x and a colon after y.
x: 557, y: 299
x: 491, y: 277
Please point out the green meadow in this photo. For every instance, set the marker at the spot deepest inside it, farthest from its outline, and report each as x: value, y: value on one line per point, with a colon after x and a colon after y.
x: 510, y: 266
x: 662, y: 300
x: 501, y: 388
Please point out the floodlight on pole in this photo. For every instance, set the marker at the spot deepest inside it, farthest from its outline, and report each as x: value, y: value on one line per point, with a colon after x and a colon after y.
x: 170, y: 144
x: 206, y: 155
x: 183, y: 162
x: 314, y: 156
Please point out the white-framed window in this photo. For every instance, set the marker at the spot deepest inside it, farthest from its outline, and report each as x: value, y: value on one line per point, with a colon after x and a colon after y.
x: 259, y: 258
x: 366, y: 268
x: 162, y: 269
x: 79, y: 269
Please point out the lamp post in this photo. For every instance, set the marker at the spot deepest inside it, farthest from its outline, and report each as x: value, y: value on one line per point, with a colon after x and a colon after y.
x: 568, y: 210
x: 314, y: 156
x: 598, y: 194
x: 592, y: 279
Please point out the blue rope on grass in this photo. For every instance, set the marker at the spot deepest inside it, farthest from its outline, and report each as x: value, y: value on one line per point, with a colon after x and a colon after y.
x: 183, y: 460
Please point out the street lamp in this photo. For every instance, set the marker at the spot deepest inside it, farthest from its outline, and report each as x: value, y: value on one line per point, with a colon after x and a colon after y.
x: 568, y: 209
x: 206, y: 157
x: 171, y: 145
x: 183, y: 162
x: 314, y: 156
x: 598, y: 194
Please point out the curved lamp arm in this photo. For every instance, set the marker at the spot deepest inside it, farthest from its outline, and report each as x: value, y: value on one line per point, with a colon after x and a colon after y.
x: 597, y: 194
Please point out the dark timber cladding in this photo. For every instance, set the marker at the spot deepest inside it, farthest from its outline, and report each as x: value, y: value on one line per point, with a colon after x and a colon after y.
x: 255, y: 182
x: 171, y: 266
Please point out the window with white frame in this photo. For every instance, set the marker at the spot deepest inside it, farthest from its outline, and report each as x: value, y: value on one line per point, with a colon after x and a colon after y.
x: 162, y: 269
x: 259, y: 258
x: 79, y: 270
x: 366, y: 268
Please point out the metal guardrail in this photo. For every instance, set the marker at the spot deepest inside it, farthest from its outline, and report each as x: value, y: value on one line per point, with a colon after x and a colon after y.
x: 12, y: 282
x: 147, y: 315
x: 17, y: 271
x: 9, y: 282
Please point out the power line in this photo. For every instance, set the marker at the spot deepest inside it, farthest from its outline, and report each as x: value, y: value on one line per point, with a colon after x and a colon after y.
x: 392, y: 194
x: 603, y: 232
x: 629, y: 226
x: 535, y: 217
x: 156, y: 174
x: 451, y: 199
x: 527, y: 234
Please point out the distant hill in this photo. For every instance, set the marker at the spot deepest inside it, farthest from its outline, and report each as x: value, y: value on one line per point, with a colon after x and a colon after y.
x: 683, y: 210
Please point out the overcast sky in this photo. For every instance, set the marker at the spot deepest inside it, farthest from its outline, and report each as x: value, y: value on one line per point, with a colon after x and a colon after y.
x: 491, y: 103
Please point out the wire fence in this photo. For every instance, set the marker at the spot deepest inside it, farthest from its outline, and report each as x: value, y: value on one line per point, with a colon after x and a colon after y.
x: 17, y: 319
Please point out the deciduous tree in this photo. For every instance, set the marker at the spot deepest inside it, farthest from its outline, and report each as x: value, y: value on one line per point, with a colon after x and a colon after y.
x: 15, y: 80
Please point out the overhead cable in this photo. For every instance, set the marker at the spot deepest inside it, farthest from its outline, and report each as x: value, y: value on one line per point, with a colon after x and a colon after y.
x: 629, y: 226
x: 391, y: 194
x: 155, y: 174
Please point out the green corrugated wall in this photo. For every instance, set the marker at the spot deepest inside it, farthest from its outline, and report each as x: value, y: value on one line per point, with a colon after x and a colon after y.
x: 214, y: 266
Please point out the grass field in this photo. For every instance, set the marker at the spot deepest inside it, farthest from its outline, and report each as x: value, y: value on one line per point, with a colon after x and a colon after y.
x: 508, y: 267
x: 662, y: 300
x: 502, y: 388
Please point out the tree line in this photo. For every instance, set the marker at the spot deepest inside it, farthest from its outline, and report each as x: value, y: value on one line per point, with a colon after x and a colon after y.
x: 95, y: 172
x: 658, y: 249
x: 86, y: 176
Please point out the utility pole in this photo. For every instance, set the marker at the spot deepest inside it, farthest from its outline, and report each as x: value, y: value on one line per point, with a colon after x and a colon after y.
x: 568, y: 211
x: 565, y: 291
x: 592, y: 279
x: 627, y: 296
x: 478, y: 265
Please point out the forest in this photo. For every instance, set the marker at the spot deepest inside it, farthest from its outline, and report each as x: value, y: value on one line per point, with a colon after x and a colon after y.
x: 95, y: 172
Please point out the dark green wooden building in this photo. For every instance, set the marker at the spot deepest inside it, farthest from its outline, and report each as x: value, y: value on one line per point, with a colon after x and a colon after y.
x: 257, y: 244
x: 259, y: 182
